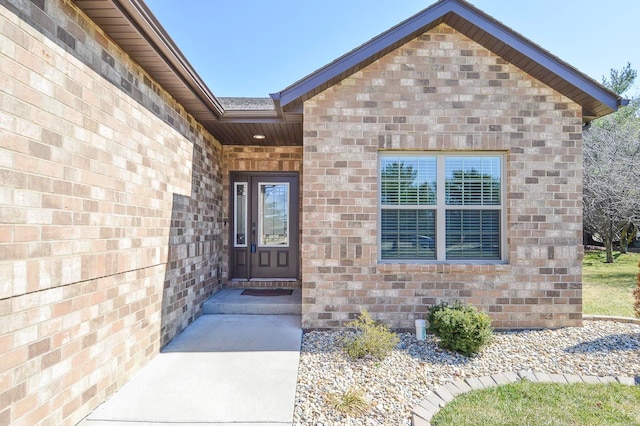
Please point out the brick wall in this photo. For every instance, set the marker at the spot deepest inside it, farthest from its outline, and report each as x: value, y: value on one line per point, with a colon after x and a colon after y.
x: 442, y: 91
x: 256, y: 159
x: 110, y: 215
x: 195, y: 258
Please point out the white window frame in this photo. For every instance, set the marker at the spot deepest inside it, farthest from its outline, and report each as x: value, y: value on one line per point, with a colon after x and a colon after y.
x: 441, y: 207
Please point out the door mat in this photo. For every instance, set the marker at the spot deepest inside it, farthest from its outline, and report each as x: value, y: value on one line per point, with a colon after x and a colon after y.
x: 266, y: 292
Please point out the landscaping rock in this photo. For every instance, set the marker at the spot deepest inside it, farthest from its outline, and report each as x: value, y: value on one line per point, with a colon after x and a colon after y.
x: 395, y: 385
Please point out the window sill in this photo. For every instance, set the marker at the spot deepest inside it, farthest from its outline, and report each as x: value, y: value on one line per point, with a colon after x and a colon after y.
x: 443, y: 262
x: 466, y: 267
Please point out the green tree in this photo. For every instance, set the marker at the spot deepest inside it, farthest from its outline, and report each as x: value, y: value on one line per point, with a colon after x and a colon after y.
x: 620, y: 81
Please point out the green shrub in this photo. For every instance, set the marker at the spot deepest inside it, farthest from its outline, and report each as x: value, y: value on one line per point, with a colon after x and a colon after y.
x: 372, y: 338
x: 461, y: 328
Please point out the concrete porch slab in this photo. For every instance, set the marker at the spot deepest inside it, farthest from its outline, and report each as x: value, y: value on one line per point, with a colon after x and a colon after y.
x: 223, y: 369
x: 231, y: 301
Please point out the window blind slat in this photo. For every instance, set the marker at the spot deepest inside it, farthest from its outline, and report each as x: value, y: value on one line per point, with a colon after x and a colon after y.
x: 408, y: 182
x: 473, y: 234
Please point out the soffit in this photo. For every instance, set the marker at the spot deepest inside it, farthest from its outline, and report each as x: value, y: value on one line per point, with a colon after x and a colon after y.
x: 131, y: 25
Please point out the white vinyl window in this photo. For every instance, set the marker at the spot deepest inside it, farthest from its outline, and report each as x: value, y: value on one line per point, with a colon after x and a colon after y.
x: 441, y: 207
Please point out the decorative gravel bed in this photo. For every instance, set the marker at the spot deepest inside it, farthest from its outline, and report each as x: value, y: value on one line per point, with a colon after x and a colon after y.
x: 396, y: 384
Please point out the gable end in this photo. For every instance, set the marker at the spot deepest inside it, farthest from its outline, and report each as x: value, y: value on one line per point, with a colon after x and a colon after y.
x: 595, y: 99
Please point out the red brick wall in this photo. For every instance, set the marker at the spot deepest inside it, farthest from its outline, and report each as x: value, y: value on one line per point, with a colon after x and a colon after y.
x: 442, y: 92
x: 101, y: 177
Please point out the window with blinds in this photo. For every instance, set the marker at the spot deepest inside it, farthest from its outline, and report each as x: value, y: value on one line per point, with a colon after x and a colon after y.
x: 441, y: 207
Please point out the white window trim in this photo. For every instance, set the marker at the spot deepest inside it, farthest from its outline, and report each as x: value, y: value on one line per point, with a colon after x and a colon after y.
x: 440, y: 207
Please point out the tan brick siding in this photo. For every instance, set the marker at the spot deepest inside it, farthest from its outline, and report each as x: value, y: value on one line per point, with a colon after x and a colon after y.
x: 110, y: 217
x: 442, y: 92
x: 66, y: 348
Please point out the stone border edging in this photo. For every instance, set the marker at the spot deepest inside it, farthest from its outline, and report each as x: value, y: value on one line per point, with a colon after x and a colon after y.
x: 441, y: 396
x: 628, y: 320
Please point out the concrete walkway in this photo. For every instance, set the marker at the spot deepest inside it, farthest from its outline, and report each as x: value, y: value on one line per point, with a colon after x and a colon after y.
x: 222, y: 370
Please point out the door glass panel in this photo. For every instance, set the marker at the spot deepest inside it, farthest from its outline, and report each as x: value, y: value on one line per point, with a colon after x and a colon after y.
x: 273, y: 212
x: 240, y: 214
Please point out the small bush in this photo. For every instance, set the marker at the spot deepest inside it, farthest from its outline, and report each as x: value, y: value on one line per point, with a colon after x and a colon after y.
x: 351, y: 402
x: 461, y: 328
x: 636, y: 294
x: 372, y: 338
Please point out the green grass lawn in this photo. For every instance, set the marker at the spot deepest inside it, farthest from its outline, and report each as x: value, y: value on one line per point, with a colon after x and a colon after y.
x: 544, y: 404
x: 607, y: 287
x: 607, y: 290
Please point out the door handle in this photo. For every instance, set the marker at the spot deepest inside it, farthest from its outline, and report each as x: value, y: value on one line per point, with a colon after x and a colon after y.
x: 253, y: 241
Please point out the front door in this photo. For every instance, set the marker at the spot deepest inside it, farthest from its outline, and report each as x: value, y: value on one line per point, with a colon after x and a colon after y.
x: 264, y: 225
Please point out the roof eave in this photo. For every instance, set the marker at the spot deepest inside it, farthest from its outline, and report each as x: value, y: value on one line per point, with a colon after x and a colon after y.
x: 147, y: 23
x: 154, y: 44
x: 358, y: 55
x: 538, y: 54
x: 251, y: 116
x: 445, y: 11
